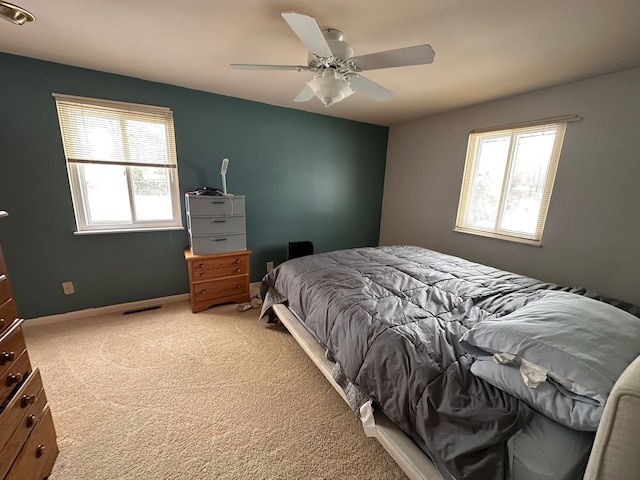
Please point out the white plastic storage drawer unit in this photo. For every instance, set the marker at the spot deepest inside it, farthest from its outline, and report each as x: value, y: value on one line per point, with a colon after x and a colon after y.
x: 216, y: 223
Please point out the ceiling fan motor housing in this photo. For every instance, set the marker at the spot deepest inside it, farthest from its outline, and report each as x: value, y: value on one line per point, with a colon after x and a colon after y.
x: 340, y: 49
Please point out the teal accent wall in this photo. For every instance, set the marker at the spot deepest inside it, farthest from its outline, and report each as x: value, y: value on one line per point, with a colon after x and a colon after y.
x: 305, y: 177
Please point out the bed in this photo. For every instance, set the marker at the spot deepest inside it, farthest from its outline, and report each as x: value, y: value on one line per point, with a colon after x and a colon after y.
x: 461, y: 370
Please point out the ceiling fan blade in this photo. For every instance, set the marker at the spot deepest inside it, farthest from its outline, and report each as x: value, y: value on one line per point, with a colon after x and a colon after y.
x: 370, y: 88
x: 401, y: 57
x: 250, y: 66
x: 305, y: 95
x: 309, y: 33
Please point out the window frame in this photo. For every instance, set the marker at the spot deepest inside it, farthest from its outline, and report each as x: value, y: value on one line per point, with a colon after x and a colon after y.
x: 122, y: 111
x: 471, y: 164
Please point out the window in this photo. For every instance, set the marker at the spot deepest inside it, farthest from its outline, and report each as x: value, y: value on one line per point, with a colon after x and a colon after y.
x: 121, y: 160
x: 508, y: 179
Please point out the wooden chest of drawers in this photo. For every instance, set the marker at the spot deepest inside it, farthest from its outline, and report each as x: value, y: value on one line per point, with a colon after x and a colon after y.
x: 217, y: 278
x: 28, y: 447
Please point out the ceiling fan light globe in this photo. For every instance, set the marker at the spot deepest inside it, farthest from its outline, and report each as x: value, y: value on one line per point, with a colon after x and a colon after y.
x: 330, y: 88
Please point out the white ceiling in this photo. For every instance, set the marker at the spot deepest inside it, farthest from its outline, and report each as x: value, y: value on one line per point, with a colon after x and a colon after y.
x: 485, y: 49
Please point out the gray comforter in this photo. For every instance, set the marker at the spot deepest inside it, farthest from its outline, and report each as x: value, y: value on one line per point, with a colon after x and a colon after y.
x: 392, y: 317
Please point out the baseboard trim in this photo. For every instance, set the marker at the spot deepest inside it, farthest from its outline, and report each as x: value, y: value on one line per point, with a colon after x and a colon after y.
x: 121, y: 307
x: 92, y: 312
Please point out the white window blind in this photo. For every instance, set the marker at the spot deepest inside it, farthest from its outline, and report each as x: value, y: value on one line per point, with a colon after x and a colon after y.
x: 122, y: 164
x: 508, y: 180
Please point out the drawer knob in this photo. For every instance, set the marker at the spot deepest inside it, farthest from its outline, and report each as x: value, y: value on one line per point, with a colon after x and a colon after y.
x: 201, y: 265
x: 238, y: 270
x: 237, y: 261
x: 7, y: 357
x: 202, y: 274
x: 14, y: 378
x: 31, y: 420
x: 40, y: 451
x: 202, y: 292
x: 27, y: 400
x: 238, y: 286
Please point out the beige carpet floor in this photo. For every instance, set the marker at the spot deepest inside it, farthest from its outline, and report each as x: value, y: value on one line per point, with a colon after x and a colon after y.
x: 167, y: 394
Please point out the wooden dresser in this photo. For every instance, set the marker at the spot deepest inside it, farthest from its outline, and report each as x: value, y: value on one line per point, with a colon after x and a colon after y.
x: 28, y: 447
x: 217, y: 278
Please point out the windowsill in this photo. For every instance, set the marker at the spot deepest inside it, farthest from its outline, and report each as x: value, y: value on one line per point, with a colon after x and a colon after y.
x: 497, y: 236
x: 127, y: 230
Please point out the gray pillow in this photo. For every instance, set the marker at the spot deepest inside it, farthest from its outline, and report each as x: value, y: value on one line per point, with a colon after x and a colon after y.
x: 583, y: 345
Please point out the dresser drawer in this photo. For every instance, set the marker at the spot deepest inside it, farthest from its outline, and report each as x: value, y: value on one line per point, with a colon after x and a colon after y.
x: 223, y: 266
x: 13, y: 359
x: 220, y: 289
x: 216, y: 225
x: 16, y: 372
x: 8, y: 314
x: 3, y: 265
x: 211, y: 244
x: 12, y: 344
x: 5, y: 288
x: 38, y: 455
x: 18, y: 419
x: 202, y: 205
x: 225, y: 271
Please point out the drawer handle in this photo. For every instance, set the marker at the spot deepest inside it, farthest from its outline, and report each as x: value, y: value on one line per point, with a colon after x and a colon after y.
x: 218, y: 203
x: 2, y: 322
x: 238, y: 270
x: 237, y: 261
x: 238, y: 286
x: 219, y: 221
x: 220, y: 240
x: 40, y: 451
x: 7, y: 357
x: 203, y: 274
x: 202, y: 292
x: 31, y: 420
x: 27, y: 400
x: 14, y: 378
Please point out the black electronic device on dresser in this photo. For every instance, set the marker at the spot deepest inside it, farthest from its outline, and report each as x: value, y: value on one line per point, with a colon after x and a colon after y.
x: 28, y: 447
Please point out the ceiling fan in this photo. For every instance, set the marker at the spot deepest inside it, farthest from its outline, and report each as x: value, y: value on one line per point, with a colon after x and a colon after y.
x: 336, y: 72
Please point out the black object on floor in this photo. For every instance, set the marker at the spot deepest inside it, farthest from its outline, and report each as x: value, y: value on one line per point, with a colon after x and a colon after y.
x: 300, y: 249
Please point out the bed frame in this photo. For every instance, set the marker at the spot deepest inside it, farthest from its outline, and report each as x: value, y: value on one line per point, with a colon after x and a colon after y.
x: 615, y: 450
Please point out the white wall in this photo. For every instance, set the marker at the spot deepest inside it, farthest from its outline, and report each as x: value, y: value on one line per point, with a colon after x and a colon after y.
x: 592, y: 235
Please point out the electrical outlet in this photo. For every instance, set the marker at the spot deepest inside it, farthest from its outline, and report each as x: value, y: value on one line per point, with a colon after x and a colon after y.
x: 269, y: 266
x: 67, y: 288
